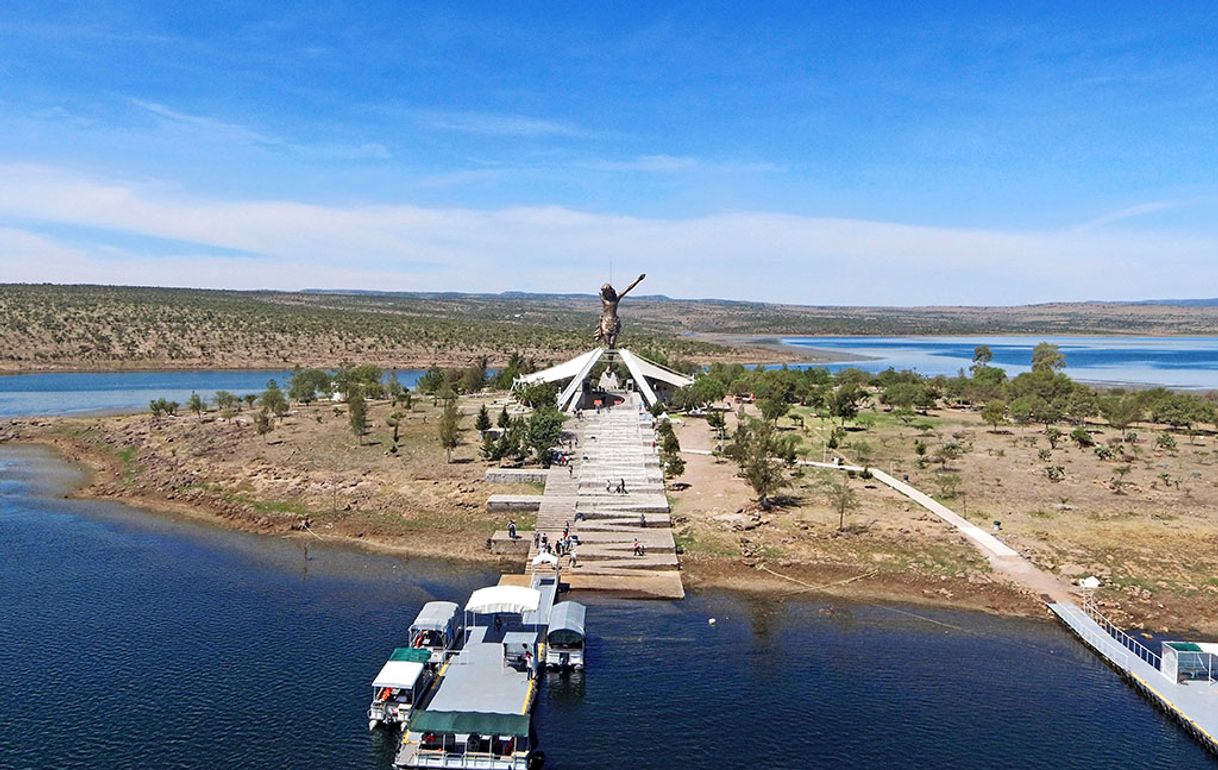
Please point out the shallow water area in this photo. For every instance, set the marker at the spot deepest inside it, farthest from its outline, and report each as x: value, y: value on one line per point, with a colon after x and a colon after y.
x: 133, y: 639
x: 1177, y: 362
x: 60, y: 393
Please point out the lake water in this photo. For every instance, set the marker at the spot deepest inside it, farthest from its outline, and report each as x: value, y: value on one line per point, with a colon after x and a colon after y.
x: 1177, y: 362
x: 79, y: 392
x: 130, y: 640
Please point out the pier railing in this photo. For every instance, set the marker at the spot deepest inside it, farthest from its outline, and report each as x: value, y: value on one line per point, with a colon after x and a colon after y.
x: 1118, y: 634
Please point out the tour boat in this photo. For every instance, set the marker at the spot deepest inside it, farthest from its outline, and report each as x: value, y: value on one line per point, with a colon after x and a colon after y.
x: 565, y: 636
x: 436, y: 630
x: 400, y: 685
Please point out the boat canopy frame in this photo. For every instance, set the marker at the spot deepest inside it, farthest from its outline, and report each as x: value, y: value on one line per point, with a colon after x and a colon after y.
x: 567, y: 624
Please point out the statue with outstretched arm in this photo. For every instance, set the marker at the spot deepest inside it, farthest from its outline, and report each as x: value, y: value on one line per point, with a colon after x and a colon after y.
x: 610, y: 325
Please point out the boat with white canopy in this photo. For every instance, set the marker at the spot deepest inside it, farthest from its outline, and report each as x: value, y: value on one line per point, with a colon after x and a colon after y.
x: 436, y: 630
x: 479, y: 716
x: 399, y: 686
x: 566, y: 636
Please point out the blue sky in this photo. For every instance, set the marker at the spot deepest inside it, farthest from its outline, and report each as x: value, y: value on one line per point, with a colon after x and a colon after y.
x: 822, y: 153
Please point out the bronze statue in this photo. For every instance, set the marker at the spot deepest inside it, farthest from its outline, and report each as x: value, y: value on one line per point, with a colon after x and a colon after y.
x: 610, y: 325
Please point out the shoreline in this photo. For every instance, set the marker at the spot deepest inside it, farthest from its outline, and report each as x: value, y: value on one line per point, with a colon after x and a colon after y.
x: 98, y: 473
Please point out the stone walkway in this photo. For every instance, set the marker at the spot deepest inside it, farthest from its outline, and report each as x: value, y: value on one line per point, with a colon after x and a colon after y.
x: 614, y: 446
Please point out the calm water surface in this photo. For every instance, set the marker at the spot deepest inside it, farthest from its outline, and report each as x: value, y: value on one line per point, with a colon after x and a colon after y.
x: 129, y: 640
x: 77, y: 392
x: 1178, y: 362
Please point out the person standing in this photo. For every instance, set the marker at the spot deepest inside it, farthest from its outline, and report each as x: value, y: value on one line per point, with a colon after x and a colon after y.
x: 512, y: 529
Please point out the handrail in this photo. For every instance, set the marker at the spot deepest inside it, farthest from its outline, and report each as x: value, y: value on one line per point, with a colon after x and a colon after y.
x: 1117, y: 633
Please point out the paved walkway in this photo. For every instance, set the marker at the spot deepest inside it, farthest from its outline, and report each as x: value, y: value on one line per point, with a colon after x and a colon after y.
x: 1002, y: 557
x: 614, y: 446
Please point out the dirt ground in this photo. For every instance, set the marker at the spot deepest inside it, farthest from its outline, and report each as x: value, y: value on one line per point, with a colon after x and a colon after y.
x: 1145, y: 522
x: 309, y: 475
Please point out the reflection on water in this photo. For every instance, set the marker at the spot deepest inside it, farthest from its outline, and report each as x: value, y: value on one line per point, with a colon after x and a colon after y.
x: 1182, y: 362
x: 132, y: 640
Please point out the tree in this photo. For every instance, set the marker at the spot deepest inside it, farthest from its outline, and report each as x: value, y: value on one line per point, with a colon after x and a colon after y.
x: 844, y: 403
x: 1177, y: 410
x: 544, y: 429
x: 450, y: 428
x: 674, y: 466
x: 994, y: 413
x: 1047, y: 357
x: 250, y: 399
x: 226, y: 401
x: 483, y: 421
x: 504, y: 419
x: 196, y: 404
x: 716, y: 422
x: 263, y: 423
x: 772, y: 408
x: 357, y: 412
x: 982, y: 355
x: 1054, y: 435
x: 538, y: 394
x: 307, y: 384
x: 841, y: 496
x: 763, y: 456
x: 952, y: 450
x: 395, y: 421
x: 1121, y: 411
x: 273, y: 400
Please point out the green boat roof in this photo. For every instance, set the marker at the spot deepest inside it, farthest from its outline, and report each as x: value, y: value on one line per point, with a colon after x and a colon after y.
x: 1184, y: 646
x: 411, y: 654
x: 469, y: 722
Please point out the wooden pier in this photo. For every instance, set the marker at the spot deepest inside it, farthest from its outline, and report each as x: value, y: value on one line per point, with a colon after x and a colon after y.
x: 617, y: 445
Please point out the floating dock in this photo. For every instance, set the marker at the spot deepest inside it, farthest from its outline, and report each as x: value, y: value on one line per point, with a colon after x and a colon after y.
x: 1191, y: 697
x: 479, y: 715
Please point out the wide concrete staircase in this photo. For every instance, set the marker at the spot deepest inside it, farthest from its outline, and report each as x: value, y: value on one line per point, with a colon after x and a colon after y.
x: 618, y: 445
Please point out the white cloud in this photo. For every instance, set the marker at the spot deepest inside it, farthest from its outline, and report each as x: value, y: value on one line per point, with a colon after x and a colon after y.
x: 500, y: 124
x: 234, y: 133
x: 742, y: 255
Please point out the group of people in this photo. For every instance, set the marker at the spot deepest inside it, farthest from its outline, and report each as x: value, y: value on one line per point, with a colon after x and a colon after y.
x: 619, y: 487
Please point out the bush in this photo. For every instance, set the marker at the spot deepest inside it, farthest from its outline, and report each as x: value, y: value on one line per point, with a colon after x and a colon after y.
x: 1166, y: 441
x: 1082, y: 437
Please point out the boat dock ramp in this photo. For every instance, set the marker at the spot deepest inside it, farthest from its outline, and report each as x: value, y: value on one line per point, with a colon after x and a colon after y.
x: 1182, y: 678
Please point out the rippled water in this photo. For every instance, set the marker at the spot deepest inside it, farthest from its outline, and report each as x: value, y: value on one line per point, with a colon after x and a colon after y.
x: 130, y: 640
x: 1179, y: 362
x: 75, y: 392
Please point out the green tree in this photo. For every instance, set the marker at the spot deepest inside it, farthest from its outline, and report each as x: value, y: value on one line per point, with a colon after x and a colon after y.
x: 1047, y: 357
x: 544, y: 429
x: 263, y: 422
x: 844, y: 403
x: 841, y: 496
x: 226, y: 401
x: 674, y: 466
x: 1121, y: 411
x: 273, y: 400
x: 394, y: 421
x: 450, y: 428
x: 538, y: 394
x: 1054, y: 435
x: 196, y: 404
x: 994, y: 413
x: 952, y: 450
x: 250, y: 399
x: 483, y: 421
x: 357, y: 412
x: 307, y: 384
x: 982, y: 355
x: 763, y: 456
x: 772, y: 408
x: 504, y: 419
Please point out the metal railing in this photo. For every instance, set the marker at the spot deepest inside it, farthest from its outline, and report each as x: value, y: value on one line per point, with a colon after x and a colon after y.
x: 1117, y: 633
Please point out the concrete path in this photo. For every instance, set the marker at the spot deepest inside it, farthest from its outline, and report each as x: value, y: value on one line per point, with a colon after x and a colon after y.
x: 1002, y: 557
